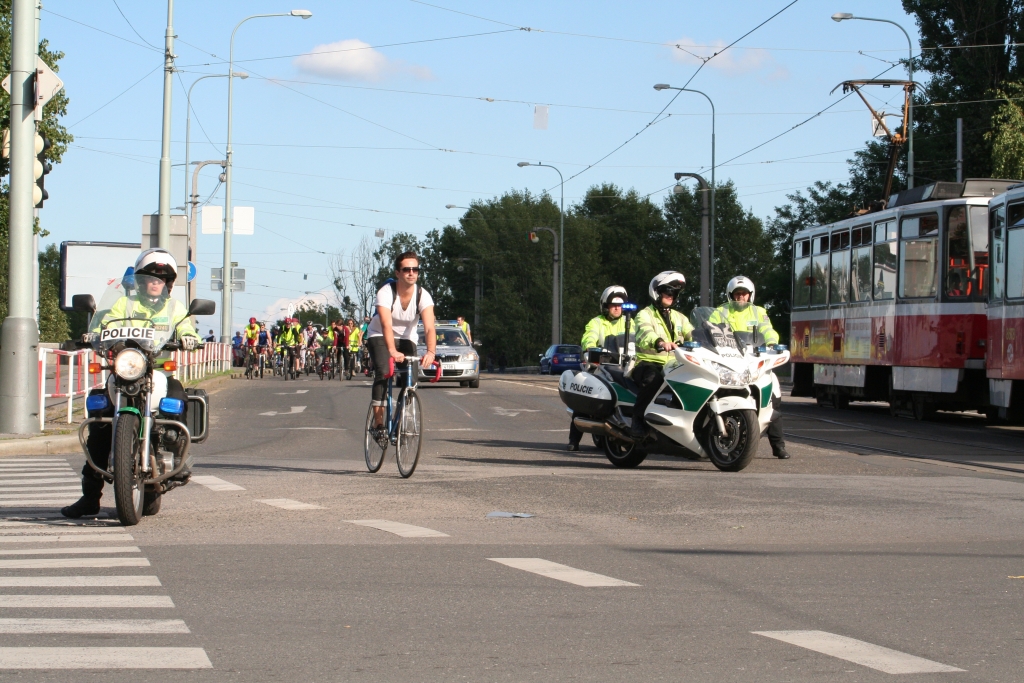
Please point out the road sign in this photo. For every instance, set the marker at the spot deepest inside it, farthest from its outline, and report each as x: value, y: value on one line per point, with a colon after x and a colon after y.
x: 47, y: 85
x: 236, y: 286
x: 291, y: 310
x: 192, y: 271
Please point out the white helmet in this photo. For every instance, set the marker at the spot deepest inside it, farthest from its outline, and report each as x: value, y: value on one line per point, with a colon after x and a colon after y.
x: 614, y: 294
x: 667, y: 278
x: 157, y: 262
x: 740, y: 282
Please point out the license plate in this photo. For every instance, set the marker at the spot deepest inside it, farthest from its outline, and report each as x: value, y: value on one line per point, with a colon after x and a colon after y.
x: 570, y: 359
x: 147, y: 333
x: 448, y: 366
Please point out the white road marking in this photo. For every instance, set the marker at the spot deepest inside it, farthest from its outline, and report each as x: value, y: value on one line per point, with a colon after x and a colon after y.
x: 294, y: 411
x: 104, y: 658
x: 86, y: 538
x: 61, y: 529
x: 7, y: 469
x: 459, y: 429
x: 512, y: 412
x: 399, y: 529
x: 41, y: 495
x: 36, y: 502
x: 289, y: 504
x: 73, y: 551
x: 462, y: 393
x: 216, y: 484
x: 561, y: 572
x: 77, y: 581
x: 41, y: 473
x: 526, y: 384
x: 40, y: 460
x: 72, y: 601
x: 130, y: 626
x: 293, y: 429
x: 47, y: 480
x: 75, y: 563
x: 292, y: 393
x: 857, y: 651
x: 16, y: 489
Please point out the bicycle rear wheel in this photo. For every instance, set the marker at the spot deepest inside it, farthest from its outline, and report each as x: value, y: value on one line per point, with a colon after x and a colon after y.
x: 410, y: 431
x: 375, y: 443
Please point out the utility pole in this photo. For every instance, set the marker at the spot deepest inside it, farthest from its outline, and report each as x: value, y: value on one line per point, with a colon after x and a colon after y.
x: 959, y: 150
x: 19, y: 334
x: 706, y: 298
x: 35, y: 211
x: 164, y: 223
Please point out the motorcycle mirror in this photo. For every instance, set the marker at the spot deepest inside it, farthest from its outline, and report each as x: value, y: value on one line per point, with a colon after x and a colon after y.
x: 84, y: 303
x: 202, y: 307
x: 477, y: 345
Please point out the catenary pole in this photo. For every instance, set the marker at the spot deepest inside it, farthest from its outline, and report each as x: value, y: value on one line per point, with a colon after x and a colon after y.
x: 19, y: 334
x: 164, y: 221
x: 561, y: 241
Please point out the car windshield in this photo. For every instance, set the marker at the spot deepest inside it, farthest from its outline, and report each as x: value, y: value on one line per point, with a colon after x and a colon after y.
x: 446, y: 337
x: 569, y: 349
x: 119, y: 318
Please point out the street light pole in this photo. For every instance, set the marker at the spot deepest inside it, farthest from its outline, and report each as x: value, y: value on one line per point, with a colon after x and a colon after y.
x: 478, y: 293
x: 164, y: 220
x: 561, y: 241
x: 226, y: 312
x: 191, y: 205
x: 844, y: 16
x: 710, y: 245
x: 327, y: 306
x: 555, y: 282
x: 705, y: 270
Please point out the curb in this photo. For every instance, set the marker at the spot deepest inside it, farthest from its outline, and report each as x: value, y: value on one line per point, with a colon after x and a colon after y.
x: 63, y: 444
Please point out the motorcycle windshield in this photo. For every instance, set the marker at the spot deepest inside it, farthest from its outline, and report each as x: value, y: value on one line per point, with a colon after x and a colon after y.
x: 123, y: 314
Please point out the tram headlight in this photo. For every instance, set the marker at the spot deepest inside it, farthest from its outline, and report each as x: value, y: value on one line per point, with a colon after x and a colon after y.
x: 130, y: 365
x: 731, y: 378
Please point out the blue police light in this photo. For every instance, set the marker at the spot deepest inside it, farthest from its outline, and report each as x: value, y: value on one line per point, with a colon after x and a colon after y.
x: 691, y: 345
x: 128, y: 281
x: 172, y: 406
x: 781, y: 347
x: 97, y: 402
x: 629, y: 307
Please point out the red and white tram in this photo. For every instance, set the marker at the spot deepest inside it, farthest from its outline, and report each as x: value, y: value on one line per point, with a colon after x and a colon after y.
x: 1005, y: 365
x: 891, y: 305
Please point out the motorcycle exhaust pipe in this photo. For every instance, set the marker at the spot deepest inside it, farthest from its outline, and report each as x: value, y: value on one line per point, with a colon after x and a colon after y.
x: 589, y: 426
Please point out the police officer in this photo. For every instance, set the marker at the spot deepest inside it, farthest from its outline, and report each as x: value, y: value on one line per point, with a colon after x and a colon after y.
x: 607, y: 331
x: 155, y: 273
x: 742, y: 316
x: 658, y: 328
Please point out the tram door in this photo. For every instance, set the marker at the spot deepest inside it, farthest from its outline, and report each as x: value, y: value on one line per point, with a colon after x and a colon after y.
x: 997, y: 275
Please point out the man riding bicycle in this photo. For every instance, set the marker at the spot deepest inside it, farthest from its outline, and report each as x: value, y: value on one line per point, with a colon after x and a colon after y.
x: 289, y: 340
x: 391, y: 335
x: 251, y: 335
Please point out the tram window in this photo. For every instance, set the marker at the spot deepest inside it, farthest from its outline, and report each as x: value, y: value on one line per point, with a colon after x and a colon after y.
x: 919, y: 226
x: 839, y: 284
x: 979, y: 248
x: 1015, y: 214
x: 918, y: 261
x: 819, y: 280
x: 959, y: 271
x: 820, y: 244
x: 1015, y: 264
x: 841, y: 240
x: 885, y: 271
x: 860, y: 274
x: 802, y: 248
x: 885, y: 232
x: 860, y: 236
x: 997, y: 222
x: 802, y: 282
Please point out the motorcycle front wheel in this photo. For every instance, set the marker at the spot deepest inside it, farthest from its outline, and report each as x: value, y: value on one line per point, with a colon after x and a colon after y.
x: 621, y: 454
x: 129, y: 491
x: 735, y: 449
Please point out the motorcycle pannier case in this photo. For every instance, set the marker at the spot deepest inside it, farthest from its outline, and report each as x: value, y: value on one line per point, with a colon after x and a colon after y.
x: 197, y: 414
x: 586, y: 395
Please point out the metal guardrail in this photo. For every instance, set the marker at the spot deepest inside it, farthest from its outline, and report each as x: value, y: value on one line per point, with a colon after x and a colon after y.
x: 67, y: 384
x: 212, y: 357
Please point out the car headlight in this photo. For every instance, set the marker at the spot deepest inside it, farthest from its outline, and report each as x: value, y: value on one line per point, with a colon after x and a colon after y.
x: 468, y: 358
x: 730, y: 377
x: 130, y: 364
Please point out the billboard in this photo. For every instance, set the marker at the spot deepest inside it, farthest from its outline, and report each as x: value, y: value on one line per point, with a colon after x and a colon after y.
x: 87, y: 267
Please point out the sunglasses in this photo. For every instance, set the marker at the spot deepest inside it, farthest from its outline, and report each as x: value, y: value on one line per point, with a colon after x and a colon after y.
x: 410, y: 269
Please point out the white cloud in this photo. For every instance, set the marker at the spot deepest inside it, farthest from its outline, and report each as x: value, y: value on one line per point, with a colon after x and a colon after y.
x: 354, y: 60
x: 735, y: 61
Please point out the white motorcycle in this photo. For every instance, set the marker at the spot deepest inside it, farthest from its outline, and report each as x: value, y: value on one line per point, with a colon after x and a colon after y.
x: 716, y: 400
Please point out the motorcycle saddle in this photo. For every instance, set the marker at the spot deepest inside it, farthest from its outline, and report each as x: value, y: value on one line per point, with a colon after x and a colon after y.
x: 615, y: 372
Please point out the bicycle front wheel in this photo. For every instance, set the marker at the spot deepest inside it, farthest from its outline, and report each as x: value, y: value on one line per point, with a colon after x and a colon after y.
x: 410, y: 431
x: 375, y: 443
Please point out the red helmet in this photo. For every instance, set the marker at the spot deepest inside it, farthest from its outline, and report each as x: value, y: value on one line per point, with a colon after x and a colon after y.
x: 252, y: 321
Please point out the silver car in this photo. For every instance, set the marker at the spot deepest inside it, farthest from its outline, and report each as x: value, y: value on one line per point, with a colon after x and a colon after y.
x: 459, y: 360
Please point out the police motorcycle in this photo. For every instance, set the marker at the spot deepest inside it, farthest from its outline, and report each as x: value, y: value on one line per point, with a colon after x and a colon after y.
x: 716, y: 400
x: 149, y: 441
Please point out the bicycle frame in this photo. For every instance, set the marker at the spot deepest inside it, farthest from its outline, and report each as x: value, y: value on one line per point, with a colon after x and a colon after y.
x: 412, y: 370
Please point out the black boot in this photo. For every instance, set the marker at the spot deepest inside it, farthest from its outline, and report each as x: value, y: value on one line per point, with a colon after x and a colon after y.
x: 638, y: 429
x: 780, y: 452
x: 777, y: 440
x: 84, y: 506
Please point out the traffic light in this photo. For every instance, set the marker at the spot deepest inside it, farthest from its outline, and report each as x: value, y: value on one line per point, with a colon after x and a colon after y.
x: 40, y: 168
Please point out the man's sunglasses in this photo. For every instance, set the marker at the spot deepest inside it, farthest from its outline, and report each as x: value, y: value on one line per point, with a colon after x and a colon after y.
x: 410, y: 269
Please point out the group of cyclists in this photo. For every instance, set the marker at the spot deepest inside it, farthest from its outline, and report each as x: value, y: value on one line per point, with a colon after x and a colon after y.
x: 290, y: 348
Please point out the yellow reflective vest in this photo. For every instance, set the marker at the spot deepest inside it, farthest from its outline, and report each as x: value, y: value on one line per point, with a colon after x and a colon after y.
x: 601, y: 332
x: 739, y: 320
x: 651, y: 327
x: 165, y: 317
x: 354, y: 339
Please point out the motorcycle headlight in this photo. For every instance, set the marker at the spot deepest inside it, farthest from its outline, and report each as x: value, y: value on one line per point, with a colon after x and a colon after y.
x: 730, y: 377
x: 130, y: 364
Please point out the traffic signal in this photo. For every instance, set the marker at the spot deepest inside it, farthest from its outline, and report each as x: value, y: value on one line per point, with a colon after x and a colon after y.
x: 40, y: 168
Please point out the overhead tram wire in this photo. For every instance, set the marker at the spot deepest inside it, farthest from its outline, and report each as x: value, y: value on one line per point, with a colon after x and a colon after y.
x: 116, y: 97
x: 108, y: 33
x: 121, y: 12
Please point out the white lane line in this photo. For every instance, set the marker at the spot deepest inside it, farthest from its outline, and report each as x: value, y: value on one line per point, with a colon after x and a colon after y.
x: 561, y: 572
x: 47, y: 480
x: 77, y: 581
x: 22, y: 489
x: 73, y: 551
x: 291, y: 393
x: 289, y: 504
x: 459, y: 429
x: 56, y: 521
x: 857, y: 651
x: 75, y: 563
x: 93, y: 626
x: 62, y: 601
x: 86, y: 538
x: 41, y: 495
x: 512, y: 412
x: 60, y: 529
x: 15, y: 476
x: 526, y: 384
x: 216, y: 483
x: 295, y: 410
x: 399, y: 529
x: 104, y: 658
x: 40, y: 460
x: 35, y: 502
x: 326, y: 429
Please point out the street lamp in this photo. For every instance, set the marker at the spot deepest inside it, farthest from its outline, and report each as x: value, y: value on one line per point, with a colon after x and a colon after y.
x: 561, y: 242
x: 327, y: 306
x: 556, y: 327
x: 711, y: 236
x: 478, y: 284
x: 844, y: 16
x: 705, y: 265
x: 225, y: 314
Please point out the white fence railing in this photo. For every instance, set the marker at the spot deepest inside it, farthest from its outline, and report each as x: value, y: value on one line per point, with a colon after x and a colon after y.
x: 213, y: 357
x: 71, y: 378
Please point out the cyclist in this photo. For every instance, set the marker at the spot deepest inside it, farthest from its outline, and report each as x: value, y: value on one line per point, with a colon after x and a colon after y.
x: 355, y: 340
x: 251, y: 335
x: 291, y: 338
x: 392, y: 332
x: 263, y: 344
x: 367, y: 360
x: 325, y: 338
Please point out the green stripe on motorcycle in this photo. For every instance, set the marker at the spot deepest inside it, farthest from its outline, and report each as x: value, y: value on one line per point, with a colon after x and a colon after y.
x: 766, y: 395
x: 136, y: 411
x: 624, y: 395
x: 692, y: 397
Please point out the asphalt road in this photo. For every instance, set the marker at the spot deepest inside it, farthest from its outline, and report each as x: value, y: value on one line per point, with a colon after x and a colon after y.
x: 843, y: 563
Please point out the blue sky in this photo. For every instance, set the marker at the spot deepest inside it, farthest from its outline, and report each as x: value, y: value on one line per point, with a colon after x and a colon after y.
x: 333, y: 140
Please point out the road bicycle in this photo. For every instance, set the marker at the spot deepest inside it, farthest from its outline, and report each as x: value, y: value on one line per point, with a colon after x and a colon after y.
x: 403, y: 420
x: 289, y: 363
x: 250, y: 362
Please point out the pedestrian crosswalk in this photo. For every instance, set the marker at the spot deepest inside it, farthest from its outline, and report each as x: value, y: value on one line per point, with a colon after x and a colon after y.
x: 49, y: 566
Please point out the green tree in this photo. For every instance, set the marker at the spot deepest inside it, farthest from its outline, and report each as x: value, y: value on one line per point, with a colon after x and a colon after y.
x: 1007, y: 134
